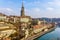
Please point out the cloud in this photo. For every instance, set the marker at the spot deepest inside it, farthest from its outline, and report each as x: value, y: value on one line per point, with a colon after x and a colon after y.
x: 7, y: 11
x: 44, y: 9
x: 54, y: 3
x: 50, y: 9
x: 37, y: 10
x: 34, y: 3
x: 33, y: 12
x: 57, y: 2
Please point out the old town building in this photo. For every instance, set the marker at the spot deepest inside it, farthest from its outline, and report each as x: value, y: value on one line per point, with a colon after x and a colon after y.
x: 3, y: 17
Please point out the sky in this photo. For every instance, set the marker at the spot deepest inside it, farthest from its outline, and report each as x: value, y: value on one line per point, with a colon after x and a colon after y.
x: 33, y: 8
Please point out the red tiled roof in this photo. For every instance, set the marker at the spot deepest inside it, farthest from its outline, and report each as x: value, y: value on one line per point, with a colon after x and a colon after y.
x: 37, y: 26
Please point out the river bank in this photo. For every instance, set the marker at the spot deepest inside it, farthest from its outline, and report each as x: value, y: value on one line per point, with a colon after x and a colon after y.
x: 33, y: 37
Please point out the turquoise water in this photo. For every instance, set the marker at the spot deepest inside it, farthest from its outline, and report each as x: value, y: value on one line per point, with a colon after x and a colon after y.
x: 53, y: 35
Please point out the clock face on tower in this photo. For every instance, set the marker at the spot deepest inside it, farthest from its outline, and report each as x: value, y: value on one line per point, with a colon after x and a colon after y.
x: 24, y: 20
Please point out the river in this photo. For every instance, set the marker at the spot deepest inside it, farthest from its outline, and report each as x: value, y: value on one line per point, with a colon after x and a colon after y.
x: 53, y: 35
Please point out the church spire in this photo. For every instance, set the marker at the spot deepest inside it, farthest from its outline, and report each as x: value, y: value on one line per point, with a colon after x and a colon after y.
x: 22, y: 10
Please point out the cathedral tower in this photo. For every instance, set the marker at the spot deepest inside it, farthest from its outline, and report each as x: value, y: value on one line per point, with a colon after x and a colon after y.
x: 22, y: 10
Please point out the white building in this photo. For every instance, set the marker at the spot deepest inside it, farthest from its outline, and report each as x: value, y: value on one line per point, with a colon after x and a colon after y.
x: 3, y: 17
